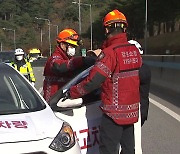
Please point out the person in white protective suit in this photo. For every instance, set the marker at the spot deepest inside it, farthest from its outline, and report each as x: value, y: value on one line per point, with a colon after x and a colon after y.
x: 145, y: 79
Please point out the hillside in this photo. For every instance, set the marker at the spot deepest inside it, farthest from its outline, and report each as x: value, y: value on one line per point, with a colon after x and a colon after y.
x: 36, y: 23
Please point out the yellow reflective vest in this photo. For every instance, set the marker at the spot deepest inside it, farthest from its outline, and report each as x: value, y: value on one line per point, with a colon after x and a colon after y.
x: 25, y: 70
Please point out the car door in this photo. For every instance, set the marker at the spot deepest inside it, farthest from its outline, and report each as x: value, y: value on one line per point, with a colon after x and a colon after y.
x: 83, y: 117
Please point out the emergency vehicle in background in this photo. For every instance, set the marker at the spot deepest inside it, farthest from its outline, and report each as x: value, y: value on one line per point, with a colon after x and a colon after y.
x: 34, y: 54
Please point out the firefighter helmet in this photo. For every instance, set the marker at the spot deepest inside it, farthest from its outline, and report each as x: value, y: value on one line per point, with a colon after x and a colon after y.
x: 69, y: 36
x: 115, y: 16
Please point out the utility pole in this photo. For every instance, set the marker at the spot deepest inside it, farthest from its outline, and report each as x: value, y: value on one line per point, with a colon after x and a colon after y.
x: 90, y: 7
x: 146, y: 18
x: 14, y: 32
x: 49, y: 23
x: 57, y: 28
x: 91, y: 25
x: 41, y: 38
x: 1, y: 46
x: 79, y: 17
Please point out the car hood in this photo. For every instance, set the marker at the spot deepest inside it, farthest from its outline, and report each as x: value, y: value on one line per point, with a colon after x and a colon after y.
x: 29, y: 126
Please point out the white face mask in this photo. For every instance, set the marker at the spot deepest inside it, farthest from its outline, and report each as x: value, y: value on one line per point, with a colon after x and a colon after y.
x: 71, y: 51
x: 20, y: 57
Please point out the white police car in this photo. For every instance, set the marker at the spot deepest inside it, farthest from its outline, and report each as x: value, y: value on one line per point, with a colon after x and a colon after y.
x: 27, y: 124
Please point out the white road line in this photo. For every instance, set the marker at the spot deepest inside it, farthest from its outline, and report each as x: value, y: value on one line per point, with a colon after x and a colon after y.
x: 165, y: 109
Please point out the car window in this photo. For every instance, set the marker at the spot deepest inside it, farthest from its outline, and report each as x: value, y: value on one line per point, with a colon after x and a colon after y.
x: 87, y: 99
x: 16, y: 95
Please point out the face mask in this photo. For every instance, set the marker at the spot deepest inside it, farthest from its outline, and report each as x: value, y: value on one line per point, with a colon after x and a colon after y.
x: 71, y: 51
x: 20, y: 57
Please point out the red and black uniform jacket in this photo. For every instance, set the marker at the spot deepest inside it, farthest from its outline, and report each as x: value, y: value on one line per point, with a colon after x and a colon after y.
x: 58, y: 71
x: 117, y: 72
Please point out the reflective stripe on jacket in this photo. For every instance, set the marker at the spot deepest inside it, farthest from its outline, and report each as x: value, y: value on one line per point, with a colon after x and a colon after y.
x: 122, y: 105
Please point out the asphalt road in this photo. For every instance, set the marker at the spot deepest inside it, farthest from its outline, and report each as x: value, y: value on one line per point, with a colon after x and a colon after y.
x: 161, y: 132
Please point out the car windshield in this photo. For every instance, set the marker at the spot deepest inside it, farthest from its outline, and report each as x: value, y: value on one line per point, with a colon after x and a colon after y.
x: 16, y: 95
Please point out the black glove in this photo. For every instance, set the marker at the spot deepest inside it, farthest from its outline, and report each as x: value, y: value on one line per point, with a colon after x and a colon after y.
x: 66, y: 95
x: 143, y: 119
x: 89, y: 61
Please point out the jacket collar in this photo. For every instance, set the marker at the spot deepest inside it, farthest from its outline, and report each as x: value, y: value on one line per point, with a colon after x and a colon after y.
x: 61, y: 52
x: 119, y: 38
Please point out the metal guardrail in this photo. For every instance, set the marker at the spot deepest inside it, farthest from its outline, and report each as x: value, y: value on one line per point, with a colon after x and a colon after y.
x: 165, y: 70
x: 163, y: 64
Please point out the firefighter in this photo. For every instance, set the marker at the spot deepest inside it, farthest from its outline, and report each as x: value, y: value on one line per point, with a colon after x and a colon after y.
x: 60, y: 67
x: 145, y: 80
x: 23, y: 66
x: 117, y: 72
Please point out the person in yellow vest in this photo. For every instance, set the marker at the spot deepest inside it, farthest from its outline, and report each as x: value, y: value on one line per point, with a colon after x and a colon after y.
x: 21, y: 64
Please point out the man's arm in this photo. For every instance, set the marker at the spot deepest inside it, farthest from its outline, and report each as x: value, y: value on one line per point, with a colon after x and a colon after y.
x: 62, y: 66
x: 90, y: 83
x: 96, y: 77
x: 73, y: 64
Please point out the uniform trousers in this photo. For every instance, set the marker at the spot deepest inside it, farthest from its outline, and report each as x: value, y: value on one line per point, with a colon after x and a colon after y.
x: 112, y: 136
x: 137, y: 136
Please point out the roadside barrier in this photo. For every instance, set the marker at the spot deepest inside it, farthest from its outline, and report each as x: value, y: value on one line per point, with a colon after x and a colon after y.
x: 165, y: 70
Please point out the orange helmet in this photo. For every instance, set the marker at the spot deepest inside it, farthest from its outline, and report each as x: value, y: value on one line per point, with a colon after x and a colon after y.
x: 69, y: 36
x: 114, y: 17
